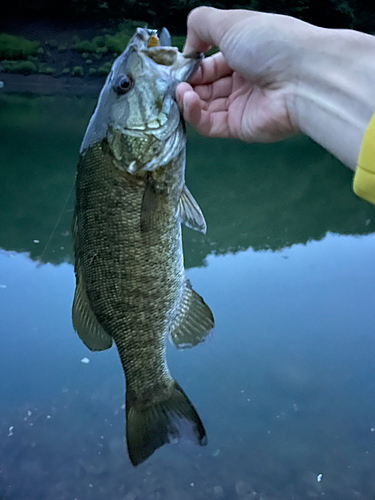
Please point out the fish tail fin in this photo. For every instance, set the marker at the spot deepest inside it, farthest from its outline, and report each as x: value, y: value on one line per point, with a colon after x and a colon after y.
x: 165, y: 421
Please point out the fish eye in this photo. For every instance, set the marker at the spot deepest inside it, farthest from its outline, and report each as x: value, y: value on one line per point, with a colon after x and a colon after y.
x: 122, y: 84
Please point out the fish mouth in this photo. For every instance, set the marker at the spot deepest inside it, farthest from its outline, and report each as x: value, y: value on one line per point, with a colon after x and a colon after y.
x: 173, y: 67
x: 160, y: 51
x: 160, y: 68
x: 148, y: 38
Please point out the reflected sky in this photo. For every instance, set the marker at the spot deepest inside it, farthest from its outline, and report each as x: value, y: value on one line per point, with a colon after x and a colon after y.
x: 285, y: 386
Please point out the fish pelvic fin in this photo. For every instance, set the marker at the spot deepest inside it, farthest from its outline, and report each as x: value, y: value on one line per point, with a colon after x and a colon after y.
x: 194, y: 320
x: 189, y: 212
x: 148, y: 428
x: 85, y: 323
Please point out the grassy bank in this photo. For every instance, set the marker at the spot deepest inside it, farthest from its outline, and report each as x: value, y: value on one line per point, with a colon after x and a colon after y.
x: 71, y: 55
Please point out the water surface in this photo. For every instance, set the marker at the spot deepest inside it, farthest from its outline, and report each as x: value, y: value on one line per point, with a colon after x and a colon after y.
x: 286, y: 385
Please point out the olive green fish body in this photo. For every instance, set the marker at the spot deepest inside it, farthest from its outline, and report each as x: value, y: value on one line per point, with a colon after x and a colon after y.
x: 133, y: 274
x: 131, y: 198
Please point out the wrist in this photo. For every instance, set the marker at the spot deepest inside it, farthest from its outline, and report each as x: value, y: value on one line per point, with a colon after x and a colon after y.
x: 334, y: 93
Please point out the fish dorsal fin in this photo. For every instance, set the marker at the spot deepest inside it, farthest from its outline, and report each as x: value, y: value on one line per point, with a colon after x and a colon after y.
x: 190, y: 213
x: 194, y: 320
x: 85, y: 323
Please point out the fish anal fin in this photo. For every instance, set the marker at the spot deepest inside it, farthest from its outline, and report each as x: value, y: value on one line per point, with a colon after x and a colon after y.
x: 85, y: 323
x: 162, y: 422
x: 189, y: 212
x: 194, y: 320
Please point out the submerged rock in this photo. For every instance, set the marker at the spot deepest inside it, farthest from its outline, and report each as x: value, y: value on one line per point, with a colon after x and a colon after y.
x: 243, y: 488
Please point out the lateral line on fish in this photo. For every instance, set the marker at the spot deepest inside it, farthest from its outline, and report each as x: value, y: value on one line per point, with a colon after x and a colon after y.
x: 57, y: 222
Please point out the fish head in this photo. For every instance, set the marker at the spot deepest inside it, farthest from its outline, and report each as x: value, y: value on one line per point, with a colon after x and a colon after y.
x: 136, y: 111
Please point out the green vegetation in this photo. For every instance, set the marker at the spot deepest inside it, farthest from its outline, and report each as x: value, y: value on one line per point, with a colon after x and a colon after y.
x: 46, y: 70
x: 53, y: 44
x: 74, y: 57
x: 77, y: 71
x: 20, y: 67
x: 117, y: 43
x: 16, y: 47
x: 104, y: 69
x: 103, y: 44
x: 62, y: 47
x: 96, y: 46
x: 94, y: 56
x: 178, y: 41
x: 358, y: 14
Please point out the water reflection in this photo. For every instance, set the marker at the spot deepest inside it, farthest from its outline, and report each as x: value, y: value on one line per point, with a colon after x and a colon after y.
x: 259, y: 196
x: 286, y: 385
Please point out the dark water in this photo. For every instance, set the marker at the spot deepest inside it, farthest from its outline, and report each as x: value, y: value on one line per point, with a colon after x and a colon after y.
x: 286, y: 385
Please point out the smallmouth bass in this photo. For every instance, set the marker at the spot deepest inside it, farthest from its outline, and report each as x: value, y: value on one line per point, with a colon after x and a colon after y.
x: 131, y: 198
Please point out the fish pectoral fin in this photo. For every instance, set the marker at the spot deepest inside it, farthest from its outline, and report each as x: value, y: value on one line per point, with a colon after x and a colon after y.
x: 85, y: 323
x: 194, y: 320
x: 149, y: 206
x: 189, y: 212
x: 148, y: 428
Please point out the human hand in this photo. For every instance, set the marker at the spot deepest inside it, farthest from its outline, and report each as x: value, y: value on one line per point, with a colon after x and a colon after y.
x: 276, y: 75
x: 246, y: 90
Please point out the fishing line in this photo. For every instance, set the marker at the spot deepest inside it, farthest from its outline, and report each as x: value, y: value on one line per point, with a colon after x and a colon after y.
x: 57, y: 223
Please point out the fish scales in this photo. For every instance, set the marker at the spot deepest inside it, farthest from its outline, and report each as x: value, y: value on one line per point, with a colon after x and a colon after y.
x: 140, y: 273
x: 130, y: 201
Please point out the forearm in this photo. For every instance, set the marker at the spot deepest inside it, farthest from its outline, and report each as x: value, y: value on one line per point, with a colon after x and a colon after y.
x: 334, y: 95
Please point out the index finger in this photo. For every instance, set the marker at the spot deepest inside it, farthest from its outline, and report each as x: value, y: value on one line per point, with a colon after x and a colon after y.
x: 206, y: 26
x: 211, y: 69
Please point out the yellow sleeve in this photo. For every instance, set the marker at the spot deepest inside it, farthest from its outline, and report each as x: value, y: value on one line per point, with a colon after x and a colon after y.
x: 364, y: 177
